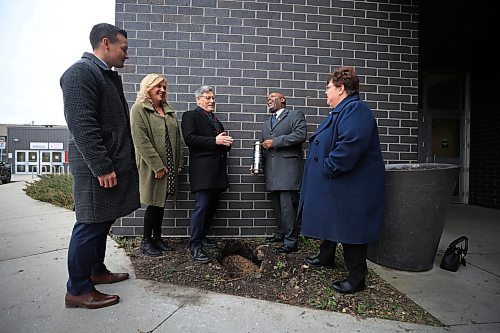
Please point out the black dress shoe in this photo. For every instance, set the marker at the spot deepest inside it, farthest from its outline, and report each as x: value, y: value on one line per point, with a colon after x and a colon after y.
x: 199, y: 255
x: 273, y: 239
x: 160, y: 244
x: 208, y: 243
x: 345, y: 287
x: 315, y: 262
x: 149, y: 249
x: 285, y: 249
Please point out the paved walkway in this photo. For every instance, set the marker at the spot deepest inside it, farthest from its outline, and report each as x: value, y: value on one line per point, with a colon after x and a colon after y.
x: 33, y: 246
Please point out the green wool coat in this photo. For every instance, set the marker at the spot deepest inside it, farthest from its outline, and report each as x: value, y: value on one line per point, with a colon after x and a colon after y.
x: 148, y: 134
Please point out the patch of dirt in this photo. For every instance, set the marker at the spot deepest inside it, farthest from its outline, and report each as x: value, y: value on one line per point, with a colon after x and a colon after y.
x: 249, y: 268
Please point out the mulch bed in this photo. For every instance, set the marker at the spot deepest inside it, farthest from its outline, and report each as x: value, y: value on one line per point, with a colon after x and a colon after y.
x: 248, y: 267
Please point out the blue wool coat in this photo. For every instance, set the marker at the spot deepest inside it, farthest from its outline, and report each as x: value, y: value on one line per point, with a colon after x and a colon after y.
x: 343, y: 187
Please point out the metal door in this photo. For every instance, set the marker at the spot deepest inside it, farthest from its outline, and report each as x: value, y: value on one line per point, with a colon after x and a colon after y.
x: 444, y: 124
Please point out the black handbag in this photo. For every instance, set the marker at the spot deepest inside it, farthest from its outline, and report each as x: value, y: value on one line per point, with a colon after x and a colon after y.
x: 455, y: 255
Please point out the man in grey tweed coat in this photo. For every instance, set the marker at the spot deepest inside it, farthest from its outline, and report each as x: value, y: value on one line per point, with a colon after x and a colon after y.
x: 282, y: 136
x: 101, y: 160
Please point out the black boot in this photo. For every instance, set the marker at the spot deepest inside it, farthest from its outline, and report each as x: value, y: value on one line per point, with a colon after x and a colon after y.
x: 318, y: 261
x: 148, y: 248
x: 159, y: 243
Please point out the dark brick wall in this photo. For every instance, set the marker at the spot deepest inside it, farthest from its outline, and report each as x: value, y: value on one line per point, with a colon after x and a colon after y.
x: 247, y: 49
x: 484, y: 177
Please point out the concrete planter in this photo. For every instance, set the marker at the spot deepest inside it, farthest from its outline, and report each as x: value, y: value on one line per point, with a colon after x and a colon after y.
x: 417, y: 198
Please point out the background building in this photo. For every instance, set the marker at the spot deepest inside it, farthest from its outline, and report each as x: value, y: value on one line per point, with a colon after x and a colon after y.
x: 433, y: 98
x: 35, y: 149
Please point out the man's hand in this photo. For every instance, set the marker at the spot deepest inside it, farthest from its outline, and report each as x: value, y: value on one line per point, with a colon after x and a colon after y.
x: 267, y: 144
x: 108, y: 180
x: 223, y: 139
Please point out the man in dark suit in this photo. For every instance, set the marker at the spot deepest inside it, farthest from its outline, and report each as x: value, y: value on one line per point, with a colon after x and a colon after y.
x: 101, y: 160
x: 208, y: 146
x: 282, y: 136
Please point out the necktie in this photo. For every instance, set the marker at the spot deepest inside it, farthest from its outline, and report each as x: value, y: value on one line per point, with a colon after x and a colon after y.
x: 274, y: 120
x: 214, y: 122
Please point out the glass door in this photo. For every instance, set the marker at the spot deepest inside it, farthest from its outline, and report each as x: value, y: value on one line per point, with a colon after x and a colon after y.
x: 26, y: 161
x: 57, y: 162
x: 45, y: 162
x: 444, y: 124
x: 21, y: 162
x: 33, y: 164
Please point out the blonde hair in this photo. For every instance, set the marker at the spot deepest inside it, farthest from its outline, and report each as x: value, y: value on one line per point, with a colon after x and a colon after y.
x: 148, y: 83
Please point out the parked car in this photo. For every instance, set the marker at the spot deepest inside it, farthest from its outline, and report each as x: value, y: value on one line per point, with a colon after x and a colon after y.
x: 5, y: 173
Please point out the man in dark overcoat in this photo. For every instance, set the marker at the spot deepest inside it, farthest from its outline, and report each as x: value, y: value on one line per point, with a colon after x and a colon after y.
x: 282, y: 136
x: 208, y: 146
x: 101, y: 160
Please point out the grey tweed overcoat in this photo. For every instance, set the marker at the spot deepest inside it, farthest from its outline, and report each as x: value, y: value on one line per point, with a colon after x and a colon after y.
x: 100, y: 141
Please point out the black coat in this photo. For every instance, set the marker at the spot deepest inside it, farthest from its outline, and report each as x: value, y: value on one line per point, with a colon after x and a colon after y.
x: 98, y: 120
x: 207, y: 160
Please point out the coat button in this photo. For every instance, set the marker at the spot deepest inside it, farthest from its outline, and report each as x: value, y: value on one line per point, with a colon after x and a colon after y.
x: 315, y: 159
x: 316, y: 142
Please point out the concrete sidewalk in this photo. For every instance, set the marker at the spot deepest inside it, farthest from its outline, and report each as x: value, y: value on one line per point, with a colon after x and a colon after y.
x: 33, y: 248
x: 467, y: 300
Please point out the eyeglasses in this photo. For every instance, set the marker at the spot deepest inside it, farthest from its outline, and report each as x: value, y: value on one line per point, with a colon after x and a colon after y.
x: 208, y: 98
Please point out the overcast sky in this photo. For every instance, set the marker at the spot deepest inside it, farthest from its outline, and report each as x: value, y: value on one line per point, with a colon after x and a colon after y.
x: 39, y: 39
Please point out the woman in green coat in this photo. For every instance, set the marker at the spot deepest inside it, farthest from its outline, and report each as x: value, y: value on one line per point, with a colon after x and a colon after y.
x: 158, y: 149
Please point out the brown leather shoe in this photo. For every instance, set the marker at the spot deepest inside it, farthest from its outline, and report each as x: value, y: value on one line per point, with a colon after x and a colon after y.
x: 92, y: 300
x: 107, y: 278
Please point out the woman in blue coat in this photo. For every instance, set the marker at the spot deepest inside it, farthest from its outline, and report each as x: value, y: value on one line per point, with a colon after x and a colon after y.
x: 343, y: 187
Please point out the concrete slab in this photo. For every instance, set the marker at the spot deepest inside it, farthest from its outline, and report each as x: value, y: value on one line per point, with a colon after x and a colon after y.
x: 22, y: 224
x: 469, y: 299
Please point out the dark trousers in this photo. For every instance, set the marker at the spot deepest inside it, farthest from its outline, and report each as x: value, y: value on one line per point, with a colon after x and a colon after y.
x: 153, y: 219
x: 354, y: 259
x: 285, y: 204
x: 205, y: 206
x: 86, y: 251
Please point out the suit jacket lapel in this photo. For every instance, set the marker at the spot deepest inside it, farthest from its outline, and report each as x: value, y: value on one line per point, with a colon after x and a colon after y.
x: 283, y: 114
x: 324, y: 125
x: 269, y: 122
x: 205, y: 116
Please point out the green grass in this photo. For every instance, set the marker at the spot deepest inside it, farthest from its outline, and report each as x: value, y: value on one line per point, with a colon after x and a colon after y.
x: 54, y: 189
x: 167, y: 273
x: 126, y: 243
x: 280, y: 265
